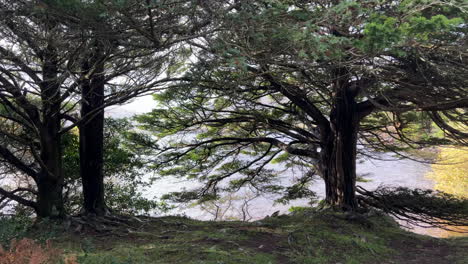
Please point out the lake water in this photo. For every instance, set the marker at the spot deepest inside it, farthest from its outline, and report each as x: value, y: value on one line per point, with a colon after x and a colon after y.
x: 384, y: 170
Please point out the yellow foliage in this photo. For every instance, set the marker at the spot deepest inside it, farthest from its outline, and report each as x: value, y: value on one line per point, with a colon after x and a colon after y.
x: 75, y: 131
x: 451, y: 175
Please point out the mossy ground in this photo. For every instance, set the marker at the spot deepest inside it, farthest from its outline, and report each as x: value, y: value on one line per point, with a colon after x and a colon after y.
x: 305, y: 237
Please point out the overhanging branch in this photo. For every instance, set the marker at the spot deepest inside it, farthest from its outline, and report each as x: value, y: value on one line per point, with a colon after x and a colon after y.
x: 13, y: 196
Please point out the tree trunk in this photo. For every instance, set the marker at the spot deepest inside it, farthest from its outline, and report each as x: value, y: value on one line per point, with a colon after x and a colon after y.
x: 50, y: 179
x: 92, y: 139
x: 338, y: 154
x: 338, y: 169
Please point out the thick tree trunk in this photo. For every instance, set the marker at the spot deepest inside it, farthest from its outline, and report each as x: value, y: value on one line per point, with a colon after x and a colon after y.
x: 50, y: 179
x: 338, y: 168
x: 92, y: 140
x: 338, y: 154
x: 50, y: 200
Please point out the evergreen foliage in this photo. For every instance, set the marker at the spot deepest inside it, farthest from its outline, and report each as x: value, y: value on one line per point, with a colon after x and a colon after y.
x: 285, y: 85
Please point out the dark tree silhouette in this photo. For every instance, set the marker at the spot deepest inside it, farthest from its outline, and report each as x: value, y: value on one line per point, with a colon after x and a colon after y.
x: 54, y: 62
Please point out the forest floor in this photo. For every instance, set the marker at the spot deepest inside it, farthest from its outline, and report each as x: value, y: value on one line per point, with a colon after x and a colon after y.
x: 305, y: 237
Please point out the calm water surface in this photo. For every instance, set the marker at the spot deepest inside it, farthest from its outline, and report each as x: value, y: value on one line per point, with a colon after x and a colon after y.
x: 384, y: 171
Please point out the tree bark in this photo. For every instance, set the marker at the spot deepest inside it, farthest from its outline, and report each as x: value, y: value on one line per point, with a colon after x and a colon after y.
x: 92, y: 137
x: 50, y: 178
x: 339, y: 151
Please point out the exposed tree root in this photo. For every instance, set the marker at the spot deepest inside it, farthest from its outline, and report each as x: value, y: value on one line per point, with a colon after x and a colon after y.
x: 115, y: 224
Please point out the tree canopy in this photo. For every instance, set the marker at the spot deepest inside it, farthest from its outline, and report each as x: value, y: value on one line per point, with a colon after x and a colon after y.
x: 306, y: 83
x: 62, y: 63
x: 246, y: 90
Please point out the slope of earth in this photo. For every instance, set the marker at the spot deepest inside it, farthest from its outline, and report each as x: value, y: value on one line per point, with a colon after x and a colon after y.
x: 305, y: 237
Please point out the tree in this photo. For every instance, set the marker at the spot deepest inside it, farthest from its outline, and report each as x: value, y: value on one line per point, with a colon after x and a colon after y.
x: 305, y: 84
x: 123, y: 174
x: 123, y: 171
x: 154, y: 29
x: 47, y: 56
x: 108, y: 52
x: 31, y: 97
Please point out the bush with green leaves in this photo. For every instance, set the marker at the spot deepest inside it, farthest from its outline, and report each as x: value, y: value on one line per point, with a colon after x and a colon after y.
x: 124, y: 171
x: 13, y: 227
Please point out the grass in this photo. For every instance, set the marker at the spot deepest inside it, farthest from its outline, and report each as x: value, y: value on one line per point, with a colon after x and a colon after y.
x: 425, y: 154
x: 304, y: 237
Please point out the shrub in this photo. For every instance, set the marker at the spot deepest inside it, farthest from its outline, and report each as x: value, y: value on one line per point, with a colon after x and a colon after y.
x: 27, y: 251
x: 13, y: 227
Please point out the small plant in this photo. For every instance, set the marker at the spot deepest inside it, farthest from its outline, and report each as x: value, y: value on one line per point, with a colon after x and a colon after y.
x: 27, y: 251
x: 299, y: 209
x: 13, y: 227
